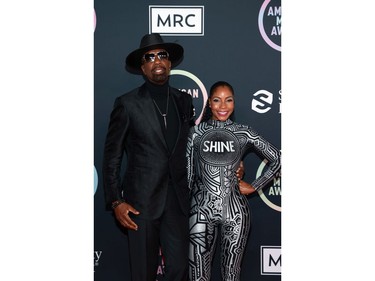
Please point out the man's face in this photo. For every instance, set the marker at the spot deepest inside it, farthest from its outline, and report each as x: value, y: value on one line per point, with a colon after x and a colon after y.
x: 156, y: 66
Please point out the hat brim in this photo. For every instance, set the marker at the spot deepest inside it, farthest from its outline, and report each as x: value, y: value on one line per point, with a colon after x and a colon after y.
x: 134, y: 59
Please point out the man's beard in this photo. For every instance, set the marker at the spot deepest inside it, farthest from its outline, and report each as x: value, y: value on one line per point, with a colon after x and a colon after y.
x: 160, y: 78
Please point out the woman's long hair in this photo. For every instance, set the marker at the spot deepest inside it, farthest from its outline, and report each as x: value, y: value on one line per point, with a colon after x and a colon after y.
x: 207, y: 113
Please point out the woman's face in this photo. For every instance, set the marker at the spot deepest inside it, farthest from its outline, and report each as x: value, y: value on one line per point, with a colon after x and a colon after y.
x: 221, y: 103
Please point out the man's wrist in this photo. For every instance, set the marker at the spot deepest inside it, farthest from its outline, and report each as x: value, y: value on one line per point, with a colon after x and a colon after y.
x: 116, y: 203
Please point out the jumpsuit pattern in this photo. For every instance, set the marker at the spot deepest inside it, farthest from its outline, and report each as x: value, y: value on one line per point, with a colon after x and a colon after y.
x: 214, y: 152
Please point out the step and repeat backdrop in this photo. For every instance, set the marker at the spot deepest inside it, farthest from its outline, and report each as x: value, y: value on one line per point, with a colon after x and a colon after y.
x: 236, y: 41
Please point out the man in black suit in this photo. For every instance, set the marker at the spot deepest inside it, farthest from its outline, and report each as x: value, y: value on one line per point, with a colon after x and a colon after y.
x: 150, y: 124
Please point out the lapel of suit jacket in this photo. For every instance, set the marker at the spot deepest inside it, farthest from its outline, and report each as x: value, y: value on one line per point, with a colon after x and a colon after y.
x: 151, y: 114
x: 177, y: 105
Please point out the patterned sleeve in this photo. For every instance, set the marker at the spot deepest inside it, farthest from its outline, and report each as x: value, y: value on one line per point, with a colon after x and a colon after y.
x: 265, y: 149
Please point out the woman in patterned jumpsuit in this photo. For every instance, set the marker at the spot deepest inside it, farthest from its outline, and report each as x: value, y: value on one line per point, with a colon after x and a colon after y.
x: 218, y: 199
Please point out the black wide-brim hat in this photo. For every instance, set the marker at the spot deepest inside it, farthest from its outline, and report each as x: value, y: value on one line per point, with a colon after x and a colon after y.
x: 150, y: 42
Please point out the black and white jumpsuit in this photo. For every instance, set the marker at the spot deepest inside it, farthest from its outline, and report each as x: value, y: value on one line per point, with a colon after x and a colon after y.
x: 214, y: 152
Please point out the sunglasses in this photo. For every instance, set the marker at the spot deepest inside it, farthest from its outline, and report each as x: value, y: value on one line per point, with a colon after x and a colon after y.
x: 150, y: 57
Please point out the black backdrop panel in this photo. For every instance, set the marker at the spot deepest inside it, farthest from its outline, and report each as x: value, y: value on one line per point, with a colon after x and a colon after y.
x: 240, y: 42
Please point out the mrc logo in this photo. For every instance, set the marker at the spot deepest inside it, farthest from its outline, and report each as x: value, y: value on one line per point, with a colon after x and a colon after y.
x: 270, y: 260
x: 176, y: 20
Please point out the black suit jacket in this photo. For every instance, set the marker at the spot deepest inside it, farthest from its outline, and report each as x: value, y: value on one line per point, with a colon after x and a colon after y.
x: 134, y: 129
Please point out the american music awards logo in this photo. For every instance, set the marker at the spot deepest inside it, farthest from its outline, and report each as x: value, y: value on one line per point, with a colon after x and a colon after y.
x: 191, y: 84
x: 269, y: 23
x: 272, y: 195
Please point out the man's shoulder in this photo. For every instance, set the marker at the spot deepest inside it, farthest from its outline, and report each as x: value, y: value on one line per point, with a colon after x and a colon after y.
x: 130, y: 93
x: 129, y: 96
x: 180, y: 94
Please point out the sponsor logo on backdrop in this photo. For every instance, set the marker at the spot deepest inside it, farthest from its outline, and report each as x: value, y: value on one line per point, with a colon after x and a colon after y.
x: 270, y: 260
x: 97, y: 256
x: 95, y: 180
x: 262, y: 101
x: 269, y: 23
x: 272, y: 195
x: 176, y: 20
x: 94, y: 20
x: 197, y: 90
x: 161, y: 267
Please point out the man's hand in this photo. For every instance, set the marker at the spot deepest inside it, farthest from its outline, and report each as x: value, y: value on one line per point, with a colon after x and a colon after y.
x: 122, y: 215
x: 245, y: 188
x: 240, y: 171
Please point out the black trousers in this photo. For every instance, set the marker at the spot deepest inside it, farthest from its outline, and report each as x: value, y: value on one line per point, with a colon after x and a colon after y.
x: 171, y: 233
